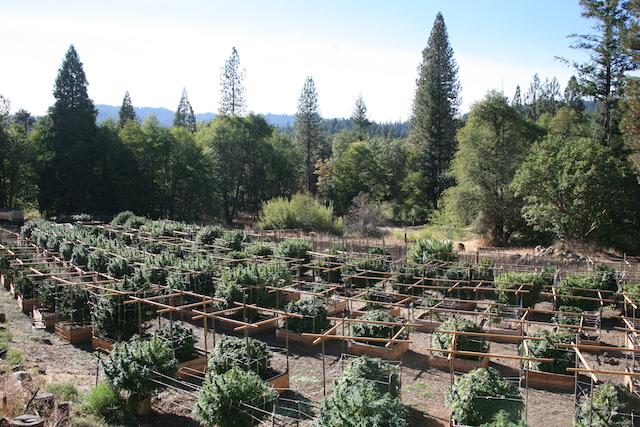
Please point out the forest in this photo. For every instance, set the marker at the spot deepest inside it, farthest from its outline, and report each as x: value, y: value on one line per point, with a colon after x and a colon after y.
x: 549, y: 162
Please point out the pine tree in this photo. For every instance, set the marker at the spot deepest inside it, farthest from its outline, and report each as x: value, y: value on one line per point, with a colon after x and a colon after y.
x: 602, y: 77
x: 184, y: 116
x: 359, y: 118
x: 24, y: 118
x: 309, y: 136
x: 232, y: 100
x: 532, y: 99
x: 126, y: 110
x: 516, y: 102
x: 572, y: 95
x: 433, y: 124
x: 630, y: 124
x: 67, y: 181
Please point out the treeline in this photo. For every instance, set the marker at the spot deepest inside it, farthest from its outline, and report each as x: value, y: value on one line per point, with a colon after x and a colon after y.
x: 546, y: 163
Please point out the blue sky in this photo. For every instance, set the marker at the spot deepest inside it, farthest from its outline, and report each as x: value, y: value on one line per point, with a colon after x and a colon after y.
x: 154, y: 48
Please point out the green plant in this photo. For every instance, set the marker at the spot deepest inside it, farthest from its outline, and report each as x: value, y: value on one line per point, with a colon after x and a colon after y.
x: 229, y: 290
x: 534, y: 283
x: 133, y: 366
x: 233, y: 239
x: 370, y: 265
x: 135, y: 222
x: 479, y: 394
x: 375, y: 330
x: 86, y: 421
x: 381, y: 374
x: 118, y: 268
x: 315, y: 316
x: 46, y: 294
x: 431, y: 249
x: 484, y: 270
x: 53, y: 243
x: 66, y: 250
x: 563, y: 358
x: 442, y: 339
x: 502, y: 419
x: 565, y: 318
x: 260, y: 249
x: 609, y: 406
x: 73, y: 304
x: 247, y: 353
x: 79, y: 255
x: 122, y: 218
x: 14, y: 357
x: 64, y: 391
x: 578, y: 286
x: 105, y: 402
x: 295, y: 248
x: 24, y: 285
x: 208, y: 235
x: 180, y: 339
x: 231, y: 399
x: 98, y: 261
x: 301, y: 212
x: 606, y: 277
x: 256, y: 278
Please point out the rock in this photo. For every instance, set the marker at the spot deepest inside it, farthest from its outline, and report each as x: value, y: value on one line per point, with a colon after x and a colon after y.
x: 44, y: 402
x: 22, y: 376
x: 27, y: 421
x: 42, y: 370
x: 64, y: 408
x: 611, y: 361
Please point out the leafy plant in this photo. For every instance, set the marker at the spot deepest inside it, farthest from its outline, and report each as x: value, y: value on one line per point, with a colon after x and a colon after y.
x: 484, y: 270
x: 133, y: 366
x: 370, y: 265
x: 246, y: 353
x: 301, y: 212
x: 46, y: 294
x: 502, y: 419
x: 233, y: 239
x: 374, y: 330
x: 606, y: 277
x: 135, y: 222
x: 118, y: 268
x: 578, y: 286
x: 260, y: 249
x: 79, y: 256
x: 53, y: 243
x: 315, y: 316
x: 73, y: 304
x: 256, y: 278
x: 24, y: 285
x: 442, y: 339
x: 381, y: 374
x: 122, y: 218
x: 569, y: 319
x: 66, y: 250
x: 563, y: 358
x: 513, y: 280
x: 98, y: 261
x: 479, y: 394
x: 64, y: 391
x: 208, y: 235
x: 431, y: 249
x: 229, y: 399
x: 105, y: 402
x: 295, y: 248
x: 609, y: 406
x: 180, y: 339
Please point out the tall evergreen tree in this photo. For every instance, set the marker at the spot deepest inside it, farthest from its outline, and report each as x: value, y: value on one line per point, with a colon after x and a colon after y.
x: 360, y: 119
x: 184, y: 116
x: 126, y: 110
x: 24, y: 118
x: 232, y: 101
x: 309, y: 136
x: 572, y: 95
x: 433, y: 124
x: 67, y: 181
x: 516, y: 102
x: 631, y: 120
x: 602, y: 77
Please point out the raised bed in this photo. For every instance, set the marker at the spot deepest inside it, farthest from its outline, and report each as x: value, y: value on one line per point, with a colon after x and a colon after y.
x: 508, y: 336
x: 26, y: 305
x: 280, y: 382
x: 229, y: 326
x: 393, y: 352
x: 45, y: 317
x: 551, y: 381
x: 283, y: 334
x: 459, y: 364
x: 336, y: 307
x: 186, y: 369
x: 425, y: 323
x: 74, y: 334
x: 103, y: 344
x: 395, y: 311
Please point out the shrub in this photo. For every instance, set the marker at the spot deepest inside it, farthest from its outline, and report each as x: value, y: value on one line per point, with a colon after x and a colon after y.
x: 375, y: 330
x: 256, y: 277
x: 370, y: 264
x: 98, y: 261
x: 315, y: 316
x: 122, y: 218
x: 66, y: 250
x: 73, y: 304
x: 301, y: 212
x: 247, y: 353
x: 118, y: 268
x: 53, y: 243
x: 132, y: 366
x: 432, y: 249
x: 569, y: 319
x: 233, y: 239
x: 260, y: 249
x: 382, y: 375
x: 105, y: 402
x: 606, y: 277
x: 484, y: 270
x: 220, y: 401
x: 501, y: 419
x: 442, y: 340
x: 229, y: 290
x: 64, y: 391
x: 208, y: 235
x: 563, y: 358
x: 479, y: 394
x: 513, y: 280
x: 180, y: 339
x: 79, y: 256
x: 295, y: 248
x: 135, y: 222
x: 46, y: 294
x: 612, y: 405
x: 24, y: 285
x: 583, y: 287
x: 14, y: 357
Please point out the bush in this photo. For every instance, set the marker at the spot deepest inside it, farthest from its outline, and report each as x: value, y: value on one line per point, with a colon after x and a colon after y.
x: 73, y: 304
x: 501, y: 419
x: 229, y: 290
x: 382, y: 375
x: 105, y: 402
x: 118, y: 268
x: 606, y: 277
x: 135, y: 222
x: 66, y: 250
x: 584, y: 286
x: 46, y: 294
x: 208, y: 235
x: 53, y: 243
x: 301, y: 212
x: 132, y: 366
x: 479, y: 394
x: 180, y: 339
x: 484, y: 270
x: 248, y: 354
x: 432, y: 249
x: 295, y: 248
x: 442, y: 340
x: 513, y: 280
x: 611, y: 405
x: 367, y: 263
x: 220, y: 401
x: 569, y: 319
x: 563, y: 358
x: 260, y: 249
x: 64, y: 391
x: 122, y: 218
x: 98, y: 261
x: 233, y: 239
x: 315, y: 316
x: 256, y: 277
x: 375, y: 330
x: 24, y: 285
x: 79, y: 256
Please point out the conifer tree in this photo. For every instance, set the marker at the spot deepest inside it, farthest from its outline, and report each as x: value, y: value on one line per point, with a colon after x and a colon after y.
x: 126, y: 110
x: 433, y: 124
x: 232, y: 101
x: 516, y: 102
x: 184, y: 116
x: 360, y: 119
x: 572, y: 95
x: 309, y: 136
x: 630, y: 124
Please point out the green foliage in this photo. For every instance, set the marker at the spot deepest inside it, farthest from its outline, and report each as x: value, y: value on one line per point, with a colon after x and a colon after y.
x: 184, y: 116
x: 98, y: 261
x: 208, y: 235
x: 221, y: 401
x: 376, y: 330
x: 122, y: 218
x: 79, y: 255
x: 24, y: 285
x: 14, y: 357
x: 301, y: 212
x: 261, y: 249
x: 578, y: 286
x: 502, y: 419
x: 563, y: 358
x: 442, y: 340
x: 105, y: 402
x: 382, y: 375
x: 233, y: 239
x: 607, y: 277
x: 256, y: 278
x: 431, y: 249
x: 46, y: 294
x: 135, y: 222
x: 73, y: 304
x: 180, y: 339
x: 132, y: 366
x: 513, y: 280
x: 295, y: 248
x: 308, y: 135
x: 315, y: 316
x: 64, y: 391
x: 612, y: 406
x: 118, y: 268
x: 479, y: 394
x: 569, y: 319
x: 66, y: 250
x: 247, y: 353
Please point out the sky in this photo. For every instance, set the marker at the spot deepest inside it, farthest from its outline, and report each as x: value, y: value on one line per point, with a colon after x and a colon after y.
x: 371, y: 47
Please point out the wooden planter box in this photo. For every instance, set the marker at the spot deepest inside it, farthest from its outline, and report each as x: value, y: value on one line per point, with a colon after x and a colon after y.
x: 425, y: 323
x: 74, y: 334
x: 103, y: 344
x: 390, y: 353
x: 141, y: 408
x: 551, y: 381
x: 228, y: 326
x: 283, y: 334
x: 459, y: 364
x: 280, y: 382
x: 26, y: 305
x: 395, y: 311
x: 185, y: 369
x: 513, y: 335
x: 45, y: 317
x: 336, y: 307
